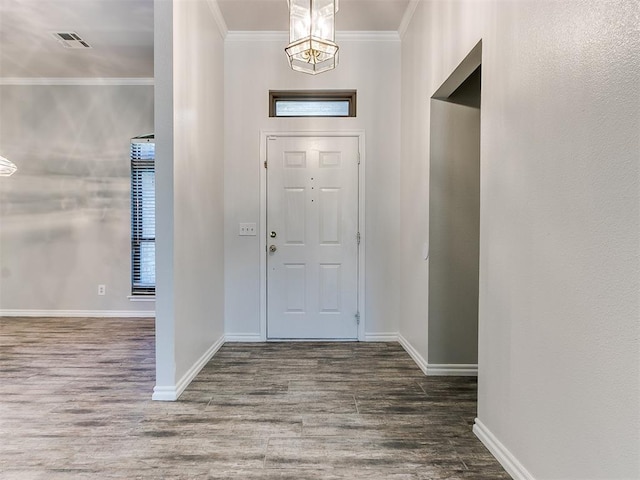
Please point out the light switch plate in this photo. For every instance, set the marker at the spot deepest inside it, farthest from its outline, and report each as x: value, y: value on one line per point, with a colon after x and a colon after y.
x: 247, y: 229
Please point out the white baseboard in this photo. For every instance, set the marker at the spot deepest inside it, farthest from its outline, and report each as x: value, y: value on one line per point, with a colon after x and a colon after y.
x: 508, y: 461
x: 243, y: 337
x: 381, y: 337
x: 256, y: 337
x: 171, y: 393
x: 79, y: 313
x: 433, y: 369
x: 413, y: 353
x: 453, y: 369
x: 164, y: 394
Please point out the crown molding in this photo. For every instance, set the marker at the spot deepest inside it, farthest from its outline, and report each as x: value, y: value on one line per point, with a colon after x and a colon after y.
x: 253, y: 36
x: 406, y: 18
x: 75, y: 81
x: 281, y: 36
x: 373, y: 36
x: 218, y: 17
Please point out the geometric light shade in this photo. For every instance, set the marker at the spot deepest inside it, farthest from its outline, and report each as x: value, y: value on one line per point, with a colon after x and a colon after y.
x: 6, y: 167
x: 312, y: 48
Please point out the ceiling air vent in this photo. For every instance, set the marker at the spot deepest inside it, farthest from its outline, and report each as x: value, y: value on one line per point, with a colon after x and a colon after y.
x: 71, y: 40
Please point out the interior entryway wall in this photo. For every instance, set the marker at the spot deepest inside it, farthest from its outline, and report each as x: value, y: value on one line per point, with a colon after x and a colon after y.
x: 560, y: 222
x: 190, y: 193
x: 247, y: 86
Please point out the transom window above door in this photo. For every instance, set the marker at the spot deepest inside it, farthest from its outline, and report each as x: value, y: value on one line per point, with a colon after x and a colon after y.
x: 312, y: 103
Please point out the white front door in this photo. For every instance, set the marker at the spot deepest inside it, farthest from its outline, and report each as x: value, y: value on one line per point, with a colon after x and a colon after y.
x: 312, y: 237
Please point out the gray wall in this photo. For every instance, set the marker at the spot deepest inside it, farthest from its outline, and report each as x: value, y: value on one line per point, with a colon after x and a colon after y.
x: 454, y: 226
x: 246, y: 114
x: 189, y: 60
x: 559, y: 336
x: 65, y: 215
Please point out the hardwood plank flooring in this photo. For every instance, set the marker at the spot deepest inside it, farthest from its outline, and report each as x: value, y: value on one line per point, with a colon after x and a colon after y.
x: 75, y: 403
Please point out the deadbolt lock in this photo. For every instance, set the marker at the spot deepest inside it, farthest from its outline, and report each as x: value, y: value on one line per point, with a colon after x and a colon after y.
x: 272, y: 234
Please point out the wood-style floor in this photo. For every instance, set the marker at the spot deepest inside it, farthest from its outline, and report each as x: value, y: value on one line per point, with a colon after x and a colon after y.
x: 75, y: 404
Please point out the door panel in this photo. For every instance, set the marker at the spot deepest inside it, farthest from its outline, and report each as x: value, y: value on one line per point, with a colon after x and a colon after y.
x: 294, y: 287
x: 312, y: 208
x: 330, y: 288
x: 294, y: 216
x: 330, y: 216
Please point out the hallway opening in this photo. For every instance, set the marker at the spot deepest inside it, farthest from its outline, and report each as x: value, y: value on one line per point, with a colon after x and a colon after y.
x: 454, y: 220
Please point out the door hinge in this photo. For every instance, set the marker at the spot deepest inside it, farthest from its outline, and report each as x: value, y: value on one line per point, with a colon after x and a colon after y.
x: 265, y: 164
x: 357, y: 315
x: 358, y: 238
x: 358, y: 158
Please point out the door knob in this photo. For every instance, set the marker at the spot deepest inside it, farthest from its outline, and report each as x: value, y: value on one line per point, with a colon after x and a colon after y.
x: 272, y: 248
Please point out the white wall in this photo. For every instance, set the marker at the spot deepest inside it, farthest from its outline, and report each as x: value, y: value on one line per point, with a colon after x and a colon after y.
x: 189, y: 188
x: 65, y: 216
x: 559, y: 381
x: 253, y: 66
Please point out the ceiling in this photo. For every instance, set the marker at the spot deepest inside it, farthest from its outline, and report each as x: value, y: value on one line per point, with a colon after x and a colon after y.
x: 354, y: 15
x: 120, y: 32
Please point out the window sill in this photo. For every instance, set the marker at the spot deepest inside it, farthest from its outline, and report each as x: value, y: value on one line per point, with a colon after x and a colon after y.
x: 142, y: 298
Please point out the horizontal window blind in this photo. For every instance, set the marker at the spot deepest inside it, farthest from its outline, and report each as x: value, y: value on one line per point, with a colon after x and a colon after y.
x: 308, y: 108
x: 143, y: 217
x: 312, y: 103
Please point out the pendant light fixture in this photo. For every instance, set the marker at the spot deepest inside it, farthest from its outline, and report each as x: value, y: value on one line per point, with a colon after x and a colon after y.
x: 312, y: 45
x: 7, y: 168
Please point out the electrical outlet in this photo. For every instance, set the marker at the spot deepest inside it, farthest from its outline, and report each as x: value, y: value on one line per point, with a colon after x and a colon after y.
x: 102, y: 289
x: 247, y: 229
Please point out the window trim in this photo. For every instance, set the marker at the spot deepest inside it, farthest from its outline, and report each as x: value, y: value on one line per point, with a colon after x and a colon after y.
x: 312, y: 96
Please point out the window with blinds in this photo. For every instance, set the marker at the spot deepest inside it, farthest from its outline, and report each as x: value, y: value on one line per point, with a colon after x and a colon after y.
x: 312, y: 103
x: 143, y: 216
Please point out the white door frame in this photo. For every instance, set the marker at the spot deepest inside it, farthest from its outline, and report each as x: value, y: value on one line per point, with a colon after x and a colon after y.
x: 264, y: 135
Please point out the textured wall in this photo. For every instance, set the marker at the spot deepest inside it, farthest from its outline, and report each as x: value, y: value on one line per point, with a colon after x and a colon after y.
x: 65, y: 215
x: 559, y: 311
x: 246, y: 114
x: 189, y: 77
x: 454, y: 214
